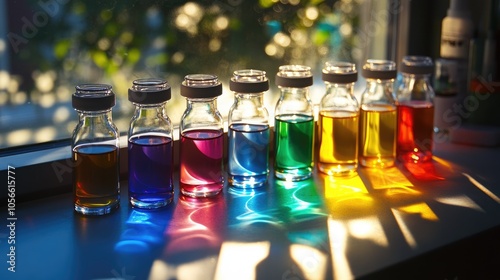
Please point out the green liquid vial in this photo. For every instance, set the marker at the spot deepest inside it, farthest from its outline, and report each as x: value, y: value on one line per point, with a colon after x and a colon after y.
x: 294, y: 124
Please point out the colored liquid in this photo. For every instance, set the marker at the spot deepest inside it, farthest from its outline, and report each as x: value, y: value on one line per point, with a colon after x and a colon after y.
x: 294, y: 136
x: 201, y: 163
x: 338, y: 148
x: 248, y: 154
x: 415, y: 131
x: 377, y: 135
x: 150, y: 171
x: 96, y: 179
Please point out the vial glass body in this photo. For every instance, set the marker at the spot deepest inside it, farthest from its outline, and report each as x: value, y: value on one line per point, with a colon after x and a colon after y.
x: 377, y: 126
x: 201, y: 129
x: 248, y: 135
x: 338, y: 121
x: 150, y: 145
x: 294, y: 124
x: 95, y: 151
x: 415, y: 111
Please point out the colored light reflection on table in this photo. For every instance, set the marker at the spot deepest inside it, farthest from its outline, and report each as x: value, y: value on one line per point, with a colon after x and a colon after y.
x: 141, y: 240
x: 194, y: 238
x: 291, y: 230
x: 352, y: 214
x: 265, y: 238
x: 355, y: 206
x: 303, y: 206
x: 390, y: 182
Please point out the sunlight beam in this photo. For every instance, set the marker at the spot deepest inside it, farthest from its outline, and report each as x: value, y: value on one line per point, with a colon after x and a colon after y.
x: 238, y: 260
x: 482, y: 188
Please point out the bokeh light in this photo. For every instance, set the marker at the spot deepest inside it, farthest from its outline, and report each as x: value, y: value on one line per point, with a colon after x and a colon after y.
x: 99, y: 43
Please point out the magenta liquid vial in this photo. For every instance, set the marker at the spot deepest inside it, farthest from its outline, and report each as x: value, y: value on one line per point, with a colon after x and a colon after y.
x: 201, y: 133
x: 150, y: 145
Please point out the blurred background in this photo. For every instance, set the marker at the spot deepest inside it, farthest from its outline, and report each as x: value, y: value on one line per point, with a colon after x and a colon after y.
x: 52, y: 45
x: 47, y: 47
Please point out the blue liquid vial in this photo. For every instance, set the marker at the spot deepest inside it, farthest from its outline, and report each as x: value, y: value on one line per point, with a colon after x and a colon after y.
x: 248, y: 150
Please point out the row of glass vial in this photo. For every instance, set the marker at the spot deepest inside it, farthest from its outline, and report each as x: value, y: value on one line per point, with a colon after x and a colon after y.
x: 393, y: 121
x: 95, y: 144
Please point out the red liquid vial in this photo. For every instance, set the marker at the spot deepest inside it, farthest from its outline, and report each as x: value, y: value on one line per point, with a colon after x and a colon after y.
x: 415, y: 107
x: 201, y: 164
x: 201, y: 130
x: 415, y: 131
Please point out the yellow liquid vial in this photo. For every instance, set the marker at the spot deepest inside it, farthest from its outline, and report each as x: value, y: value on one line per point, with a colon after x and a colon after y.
x: 377, y: 147
x: 338, y: 147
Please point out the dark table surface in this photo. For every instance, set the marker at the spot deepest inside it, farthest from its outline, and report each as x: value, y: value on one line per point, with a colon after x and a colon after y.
x: 402, y: 222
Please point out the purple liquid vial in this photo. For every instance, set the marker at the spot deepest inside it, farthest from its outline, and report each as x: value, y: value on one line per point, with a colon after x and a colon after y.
x: 150, y: 171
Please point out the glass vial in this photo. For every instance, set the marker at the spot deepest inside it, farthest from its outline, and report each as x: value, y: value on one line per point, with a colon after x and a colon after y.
x: 294, y: 124
x: 95, y: 148
x: 201, y: 130
x: 377, y: 145
x: 415, y: 110
x: 338, y: 120
x: 150, y: 145
x: 248, y: 136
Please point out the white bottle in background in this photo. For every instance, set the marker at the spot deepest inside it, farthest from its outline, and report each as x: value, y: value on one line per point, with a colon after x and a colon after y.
x: 450, y: 79
x: 456, y: 31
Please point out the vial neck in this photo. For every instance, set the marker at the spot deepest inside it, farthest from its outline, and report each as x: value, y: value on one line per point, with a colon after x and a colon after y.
x: 375, y: 86
x: 415, y: 87
x: 95, y: 117
x: 340, y: 90
x: 202, y: 103
x: 257, y: 99
x: 378, y: 91
x: 149, y: 111
x: 411, y: 81
x: 294, y: 93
